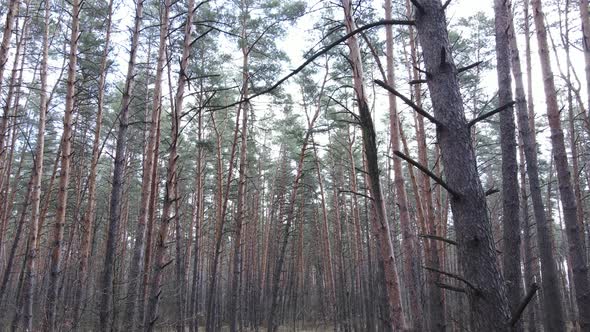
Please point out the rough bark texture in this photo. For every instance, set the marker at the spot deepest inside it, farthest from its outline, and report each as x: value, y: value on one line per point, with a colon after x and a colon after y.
x: 477, y: 256
x: 510, y: 198
x: 568, y: 199
x: 394, y: 318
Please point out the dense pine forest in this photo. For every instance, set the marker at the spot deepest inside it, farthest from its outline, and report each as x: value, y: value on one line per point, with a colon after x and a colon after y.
x: 246, y: 165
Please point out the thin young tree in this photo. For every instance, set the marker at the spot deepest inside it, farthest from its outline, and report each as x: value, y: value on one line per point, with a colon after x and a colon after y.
x: 51, y: 307
x: 170, y: 197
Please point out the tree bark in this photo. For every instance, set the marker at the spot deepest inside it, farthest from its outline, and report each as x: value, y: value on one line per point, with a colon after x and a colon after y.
x: 81, y: 283
x: 118, y: 174
x: 64, y: 178
x: 568, y: 200
x: 171, y: 178
x: 394, y: 318
x: 477, y: 256
x: 510, y: 199
x: 411, y: 260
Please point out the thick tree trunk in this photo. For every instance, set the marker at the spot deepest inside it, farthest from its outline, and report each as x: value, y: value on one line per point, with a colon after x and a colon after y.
x: 477, y: 256
x: 568, y: 200
x: 510, y: 198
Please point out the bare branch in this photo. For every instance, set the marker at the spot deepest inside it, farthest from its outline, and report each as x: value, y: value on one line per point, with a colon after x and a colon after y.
x: 527, y: 299
x: 409, y: 102
x: 446, y: 4
x: 487, y: 115
x: 439, y: 238
x: 412, y: 82
x: 452, y: 275
x: 355, y: 193
x: 466, y: 68
x: 427, y: 172
x: 451, y: 288
x: 317, y: 55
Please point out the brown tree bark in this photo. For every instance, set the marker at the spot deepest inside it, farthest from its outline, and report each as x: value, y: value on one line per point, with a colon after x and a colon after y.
x: 30, y: 278
x: 64, y: 178
x: 394, y: 313
x: 568, y: 200
x: 170, y: 197
x: 477, y: 256
x: 13, y: 7
x: 233, y: 307
x: 411, y: 260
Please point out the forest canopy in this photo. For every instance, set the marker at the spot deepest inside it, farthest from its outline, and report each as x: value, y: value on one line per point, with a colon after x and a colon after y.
x: 396, y: 165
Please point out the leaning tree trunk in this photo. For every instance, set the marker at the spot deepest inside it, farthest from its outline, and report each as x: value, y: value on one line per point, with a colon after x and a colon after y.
x: 394, y: 315
x: 477, y: 256
x: 510, y: 199
x: 568, y: 199
x: 64, y: 177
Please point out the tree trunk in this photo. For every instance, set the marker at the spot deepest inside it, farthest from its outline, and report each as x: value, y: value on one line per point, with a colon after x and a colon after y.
x: 568, y: 200
x: 477, y: 256
x: 411, y: 258
x: 394, y: 318
x: 510, y: 199
x: 64, y: 178
x: 585, y: 19
x: 81, y: 283
x: 31, y: 268
x: 118, y: 174
x: 171, y: 177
